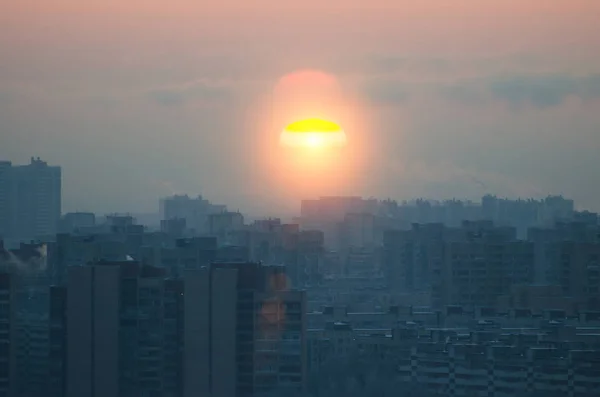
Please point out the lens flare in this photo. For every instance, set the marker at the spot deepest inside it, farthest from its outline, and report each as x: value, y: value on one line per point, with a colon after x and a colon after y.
x: 313, y: 133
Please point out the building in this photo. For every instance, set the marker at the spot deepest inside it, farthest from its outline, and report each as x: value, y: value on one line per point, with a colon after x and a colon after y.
x: 471, y: 265
x: 73, y: 222
x: 225, y: 226
x: 537, y: 298
x: 175, y: 226
x: 8, y: 335
x: 5, y: 195
x: 57, y: 343
x: 577, y: 267
x: 195, y: 211
x: 548, y: 242
x: 222, y: 330
x: 326, y: 214
x: 357, y: 230
x: 303, y: 253
x: 123, y: 331
x: 361, y: 262
x: 478, y: 271
x: 32, y: 353
x: 30, y: 200
x: 244, y: 333
x: 412, y: 256
x: 457, y: 352
x: 185, y: 254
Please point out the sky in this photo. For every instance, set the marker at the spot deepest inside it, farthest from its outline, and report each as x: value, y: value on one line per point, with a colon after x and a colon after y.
x: 141, y: 99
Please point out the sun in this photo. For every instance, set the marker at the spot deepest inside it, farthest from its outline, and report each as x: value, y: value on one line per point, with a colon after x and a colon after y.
x: 313, y: 133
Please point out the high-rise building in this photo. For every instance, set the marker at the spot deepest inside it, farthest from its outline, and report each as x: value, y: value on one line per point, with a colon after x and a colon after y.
x: 123, y: 331
x: 224, y: 330
x: 30, y: 200
x: 244, y: 332
x: 8, y: 337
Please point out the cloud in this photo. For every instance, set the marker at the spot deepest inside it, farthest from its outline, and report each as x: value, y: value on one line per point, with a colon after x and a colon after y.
x: 519, y: 90
x: 463, y: 93
x: 543, y: 91
x: 540, y: 91
x: 190, y: 92
x: 391, y: 65
x: 387, y: 92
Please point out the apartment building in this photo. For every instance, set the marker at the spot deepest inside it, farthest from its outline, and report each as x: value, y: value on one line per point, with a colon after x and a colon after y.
x: 244, y: 332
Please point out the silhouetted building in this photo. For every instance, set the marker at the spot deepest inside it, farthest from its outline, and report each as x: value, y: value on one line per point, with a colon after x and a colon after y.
x: 30, y: 200
x: 123, y: 331
x: 244, y: 332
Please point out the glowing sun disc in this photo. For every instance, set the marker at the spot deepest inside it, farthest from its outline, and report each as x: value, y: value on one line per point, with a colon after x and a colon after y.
x: 313, y: 133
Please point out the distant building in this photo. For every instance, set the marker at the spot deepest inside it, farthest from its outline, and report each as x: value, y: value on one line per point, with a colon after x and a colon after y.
x: 357, y: 230
x: 549, y: 243
x: 326, y: 213
x: 525, y: 213
x: 411, y: 257
x: 75, y: 221
x: 477, y: 270
x: 224, y: 224
x: 576, y: 266
x: 471, y: 265
x: 174, y: 227
x: 30, y: 200
x: 195, y: 211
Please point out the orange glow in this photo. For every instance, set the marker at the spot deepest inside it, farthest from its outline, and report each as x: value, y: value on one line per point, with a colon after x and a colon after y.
x: 296, y: 157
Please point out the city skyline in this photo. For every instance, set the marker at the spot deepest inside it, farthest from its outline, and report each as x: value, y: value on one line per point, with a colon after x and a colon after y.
x: 135, y: 99
x: 299, y: 198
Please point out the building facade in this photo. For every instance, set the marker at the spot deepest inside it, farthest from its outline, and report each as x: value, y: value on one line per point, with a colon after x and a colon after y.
x: 123, y: 331
x: 244, y: 332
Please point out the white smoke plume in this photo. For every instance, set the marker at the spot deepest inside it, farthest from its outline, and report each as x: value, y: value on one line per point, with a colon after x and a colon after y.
x: 35, y: 264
